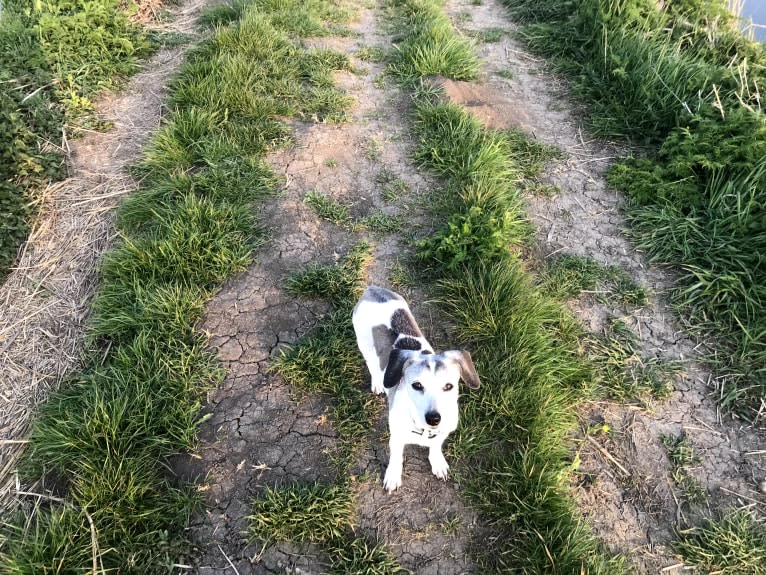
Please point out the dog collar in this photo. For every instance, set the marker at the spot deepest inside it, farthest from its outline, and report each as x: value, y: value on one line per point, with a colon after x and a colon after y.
x: 431, y: 434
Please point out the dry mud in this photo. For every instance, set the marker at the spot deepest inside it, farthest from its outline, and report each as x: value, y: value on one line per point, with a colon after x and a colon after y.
x: 44, y: 303
x: 630, y: 499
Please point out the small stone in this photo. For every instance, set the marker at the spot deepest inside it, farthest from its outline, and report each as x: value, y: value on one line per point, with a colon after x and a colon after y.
x: 762, y: 486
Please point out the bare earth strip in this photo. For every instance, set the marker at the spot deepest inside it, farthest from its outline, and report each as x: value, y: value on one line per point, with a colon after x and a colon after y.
x: 45, y: 301
x: 629, y: 497
x: 259, y: 434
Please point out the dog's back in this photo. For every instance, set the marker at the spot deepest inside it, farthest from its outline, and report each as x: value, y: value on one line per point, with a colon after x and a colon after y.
x: 382, y: 322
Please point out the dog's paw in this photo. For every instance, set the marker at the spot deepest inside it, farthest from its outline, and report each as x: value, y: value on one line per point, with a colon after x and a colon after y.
x: 393, y: 480
x: 377, y: 388
x: 439, y: 466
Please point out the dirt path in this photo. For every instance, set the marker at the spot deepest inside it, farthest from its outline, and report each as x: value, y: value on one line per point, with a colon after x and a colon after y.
x: 258, y: 435
x: 634, y: 511
x: 44, y: 304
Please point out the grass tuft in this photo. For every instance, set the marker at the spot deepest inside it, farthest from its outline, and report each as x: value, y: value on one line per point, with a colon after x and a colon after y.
x: 622, y: 373
x: 320, y: 515
x: 569, y: 276
x: 733, y: 545
x: 429, y: 45
x: 304, y: 514
x: 682, y: 456
x: 328, y: 208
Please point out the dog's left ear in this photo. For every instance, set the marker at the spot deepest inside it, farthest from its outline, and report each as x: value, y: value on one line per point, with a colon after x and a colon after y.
x: 398, y: 359
x: 467, y: 370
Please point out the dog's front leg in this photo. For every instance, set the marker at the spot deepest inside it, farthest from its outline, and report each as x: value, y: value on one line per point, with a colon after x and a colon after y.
x: 439, y: 466
x: 393, y: 477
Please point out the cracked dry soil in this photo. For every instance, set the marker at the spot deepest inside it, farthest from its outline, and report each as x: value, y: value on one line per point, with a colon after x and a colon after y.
x: 258, y: 434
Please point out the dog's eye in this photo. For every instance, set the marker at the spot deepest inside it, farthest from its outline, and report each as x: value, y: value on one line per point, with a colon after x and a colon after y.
x: 418, y: 386
x: 448, y: 386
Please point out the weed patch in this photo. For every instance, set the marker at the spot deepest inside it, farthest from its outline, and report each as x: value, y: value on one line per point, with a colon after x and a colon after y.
x: 682, y: 456
x: 327, y: 208
x: 682, y: 79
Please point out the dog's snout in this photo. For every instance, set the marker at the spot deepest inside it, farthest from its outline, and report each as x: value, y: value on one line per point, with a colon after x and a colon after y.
x: 433, y: 418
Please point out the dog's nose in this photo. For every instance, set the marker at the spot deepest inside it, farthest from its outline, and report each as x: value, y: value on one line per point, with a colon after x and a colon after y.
x: 433, y: 418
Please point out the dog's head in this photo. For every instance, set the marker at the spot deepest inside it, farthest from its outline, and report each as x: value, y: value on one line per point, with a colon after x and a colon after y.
x: 431, y: 382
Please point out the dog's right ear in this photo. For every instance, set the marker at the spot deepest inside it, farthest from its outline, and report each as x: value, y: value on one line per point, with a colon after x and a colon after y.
x: 398, y: 360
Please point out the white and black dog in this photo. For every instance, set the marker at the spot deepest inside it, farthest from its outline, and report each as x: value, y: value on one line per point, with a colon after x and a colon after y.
x: 422, y: 386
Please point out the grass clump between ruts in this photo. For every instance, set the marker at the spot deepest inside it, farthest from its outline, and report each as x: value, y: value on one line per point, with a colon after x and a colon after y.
x: 327, y: 362
x: 621, y: 372
x: 321, y: 515
x: 683, y: 457
x: 511, y: 448
x: 681, y: 78
x: 428, y: 44
x: 732, y: 545
x: 107, y: 437
x: 569, y: 276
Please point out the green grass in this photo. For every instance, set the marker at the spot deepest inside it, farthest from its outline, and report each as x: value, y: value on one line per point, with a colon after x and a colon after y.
x: 380, y: 223
x: 304, y: 514
x: 488, y: 35
x: 54, y: 57
x: 569, y: 276
x: 372, y: 54
x: 428, y: 44
x: 622, y: 373
x: 107, y: 437
x: 320, y: 515
x: 511, y: 450
x: 328, y: 208
x: 680, y: 81
x: 393, y: 186
x: 682, y: 455
x: 733, y: 545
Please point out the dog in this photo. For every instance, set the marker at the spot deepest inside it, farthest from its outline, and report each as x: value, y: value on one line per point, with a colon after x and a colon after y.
x: 422, y: 386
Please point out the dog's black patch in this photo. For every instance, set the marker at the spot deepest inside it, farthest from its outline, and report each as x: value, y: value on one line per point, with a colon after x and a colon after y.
x: 383, y: 339
x: 408, y: 343
x: 380, y: 295
x: 440, y: 365
x: 402, y: 322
